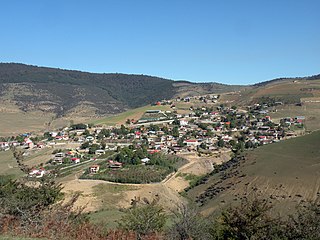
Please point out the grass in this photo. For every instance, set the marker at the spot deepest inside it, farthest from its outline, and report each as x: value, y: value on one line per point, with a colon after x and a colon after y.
x: 8, y: 165
x: 310, y: 110
x: 13, y: 123
x: 191, y: 178
x: 40, y: 156
x: 101, y: 189
x: 109, y: 195
x: 106, y: 217
x: 130, y: 114
x: 287, y: 172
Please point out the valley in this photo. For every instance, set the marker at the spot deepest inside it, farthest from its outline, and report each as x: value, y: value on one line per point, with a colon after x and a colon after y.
x: 229, y: 145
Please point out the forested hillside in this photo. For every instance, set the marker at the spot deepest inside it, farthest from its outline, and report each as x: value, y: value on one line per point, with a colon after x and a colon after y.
x: 61, y: 91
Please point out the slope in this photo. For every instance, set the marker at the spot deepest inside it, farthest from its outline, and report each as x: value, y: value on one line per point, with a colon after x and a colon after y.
x: 65, y: 91
x: 287, y: 172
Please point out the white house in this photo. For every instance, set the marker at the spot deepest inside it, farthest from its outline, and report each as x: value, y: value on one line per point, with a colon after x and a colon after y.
x: 100, y: 152
x: 145, y: 160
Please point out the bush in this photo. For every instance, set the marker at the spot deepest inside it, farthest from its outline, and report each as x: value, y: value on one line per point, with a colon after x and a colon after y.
x: 144, y: 220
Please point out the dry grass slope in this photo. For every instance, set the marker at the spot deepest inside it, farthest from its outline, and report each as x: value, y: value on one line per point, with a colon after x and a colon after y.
x: 288, y: 172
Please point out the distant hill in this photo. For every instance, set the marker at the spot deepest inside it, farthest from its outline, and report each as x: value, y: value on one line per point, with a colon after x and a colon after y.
x: 264, y: 83
x: 288, y: 172
x: 65, y: 91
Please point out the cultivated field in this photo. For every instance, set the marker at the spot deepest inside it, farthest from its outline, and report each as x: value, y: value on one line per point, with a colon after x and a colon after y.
x: 135, y: 114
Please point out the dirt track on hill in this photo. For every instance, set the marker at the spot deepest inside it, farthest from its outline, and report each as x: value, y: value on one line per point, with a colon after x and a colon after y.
x: 168, y: 190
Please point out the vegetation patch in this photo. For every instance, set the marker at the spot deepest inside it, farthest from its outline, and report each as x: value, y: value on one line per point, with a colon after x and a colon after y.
x: 133, y: 165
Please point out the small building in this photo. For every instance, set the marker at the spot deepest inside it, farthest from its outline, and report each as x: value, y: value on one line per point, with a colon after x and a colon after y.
x: 100, y: 152
x: 37, y: 173
x: 114, y: 164
x: 60, y: 155
x: 94, y: 168
x: 57, y: 160
x: 192, y: 142
x: 183, y: 122
x: 75, y: 160
x: 144, y: 161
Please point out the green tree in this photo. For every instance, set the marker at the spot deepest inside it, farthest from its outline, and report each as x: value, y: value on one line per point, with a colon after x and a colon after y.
x: 85, y: 145
x: 175, y: 131
x: 203, y: 145
x: 145, y: 219
x: 249, y: 144
x: 251, y: 220
x: 220, y: 143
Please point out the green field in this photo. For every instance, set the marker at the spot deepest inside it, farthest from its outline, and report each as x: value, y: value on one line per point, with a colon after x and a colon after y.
x: 287, y: 172
x: 130, y: 114
x: 8, y: 165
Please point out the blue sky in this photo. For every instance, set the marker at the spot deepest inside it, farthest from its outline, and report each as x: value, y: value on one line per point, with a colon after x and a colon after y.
x: 231, y: 41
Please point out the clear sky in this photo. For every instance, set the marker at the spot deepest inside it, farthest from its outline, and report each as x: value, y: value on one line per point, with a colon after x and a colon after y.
x: 227, y: 41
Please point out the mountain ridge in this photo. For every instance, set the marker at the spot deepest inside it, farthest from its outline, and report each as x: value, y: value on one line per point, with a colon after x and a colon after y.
x: 32, y: 87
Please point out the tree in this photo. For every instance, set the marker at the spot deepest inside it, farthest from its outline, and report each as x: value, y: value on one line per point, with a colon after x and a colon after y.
x: 240, y: 146
x: 305, y: 224
x: 180, y: 142
x: 145, y: 219
x: 209, y: 133
x: 188, y: 224
x: 175, y: 131
x: 154, y: 127
x: 93, y: 148
x: 103, y: 144
x: 86, y: 132
x: 78, y: 126
x: 85, y: 145
x: 251, y: 220
x: 221, y: 143
x: 123, y: 130
x: 203, y: 145
x: 176, y: 122
x: 249, y: 144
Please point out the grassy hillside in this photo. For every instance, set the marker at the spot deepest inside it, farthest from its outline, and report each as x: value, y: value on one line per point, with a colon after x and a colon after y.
x: 287, y: 91
x: 288, y: 172
x: 64, y: 91
x: 299, y: 97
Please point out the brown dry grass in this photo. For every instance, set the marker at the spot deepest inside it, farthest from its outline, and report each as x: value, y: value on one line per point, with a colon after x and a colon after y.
x: 98, y: 194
